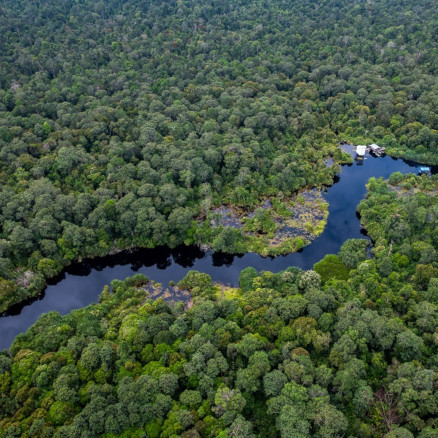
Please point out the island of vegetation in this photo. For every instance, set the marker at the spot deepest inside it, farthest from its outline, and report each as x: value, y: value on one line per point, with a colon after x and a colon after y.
x: 274, y: 227
x: 122, y: 123
x: 348, y: 349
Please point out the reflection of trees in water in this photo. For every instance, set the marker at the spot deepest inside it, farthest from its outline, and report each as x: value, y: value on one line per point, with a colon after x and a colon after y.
x: 18, y: 308
x: 186, y: 256
x: 222, y: 259
x: 164, y: 258
x: 161, y: 258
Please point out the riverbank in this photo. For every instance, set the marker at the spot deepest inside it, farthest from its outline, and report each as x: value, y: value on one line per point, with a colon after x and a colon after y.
x: 419, y: 156
x: 74, y: 287
x: 291, y: 227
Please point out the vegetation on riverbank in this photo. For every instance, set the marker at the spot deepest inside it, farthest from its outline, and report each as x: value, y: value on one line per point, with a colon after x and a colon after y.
x: 347, y: 349
x: 393, y: 149
x: 274, y: 227
x: 122, y: 122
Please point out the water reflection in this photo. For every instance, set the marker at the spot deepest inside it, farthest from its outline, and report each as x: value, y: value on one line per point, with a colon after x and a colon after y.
x: 81, y: 284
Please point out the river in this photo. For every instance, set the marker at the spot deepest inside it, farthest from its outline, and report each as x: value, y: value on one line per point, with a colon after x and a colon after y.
x: 81, y: 283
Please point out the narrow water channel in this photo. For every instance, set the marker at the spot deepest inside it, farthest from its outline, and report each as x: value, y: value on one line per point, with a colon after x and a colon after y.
x: 81, y: 284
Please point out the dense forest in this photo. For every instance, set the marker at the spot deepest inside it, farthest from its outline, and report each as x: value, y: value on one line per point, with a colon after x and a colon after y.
x: 132, y: 123
x: 346, y: 349
x: 126, y: 123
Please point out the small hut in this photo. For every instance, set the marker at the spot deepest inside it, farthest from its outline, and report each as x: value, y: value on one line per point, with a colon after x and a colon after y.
x: 376, y: 149
x: 361, y: 150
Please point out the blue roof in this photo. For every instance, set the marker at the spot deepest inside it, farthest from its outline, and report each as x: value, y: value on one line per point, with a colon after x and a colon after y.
x: 424, y: 169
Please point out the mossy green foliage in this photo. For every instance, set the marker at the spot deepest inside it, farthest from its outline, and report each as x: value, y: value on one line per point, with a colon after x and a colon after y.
x: 229, y: 240
x: 8, y: 289
x: 320, y: 353
x: 11, y: 292
x: 246, y: 278
x: 286, y: 246
x: 261, y: 223
x: 331, y: 267
x: 59, y: 413
x: 198, y: 283
x: 354, y: 251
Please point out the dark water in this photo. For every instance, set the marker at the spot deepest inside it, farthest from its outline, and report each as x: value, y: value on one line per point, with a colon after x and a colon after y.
x: 82, y: 283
